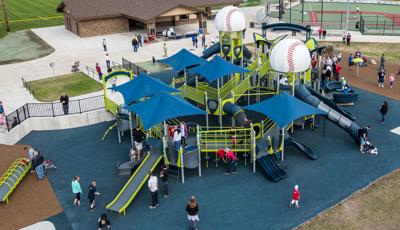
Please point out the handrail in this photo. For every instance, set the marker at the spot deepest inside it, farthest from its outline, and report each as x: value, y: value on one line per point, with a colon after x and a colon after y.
x: 53, y: 109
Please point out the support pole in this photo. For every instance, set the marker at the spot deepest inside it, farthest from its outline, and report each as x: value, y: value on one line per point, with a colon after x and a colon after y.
x: 206, y: 105
x: 283, y: 143
x: 182, y: 165
x: 220, y: 106
x: 347, y: 16
x: 130, y: 127
x: 198, y: 147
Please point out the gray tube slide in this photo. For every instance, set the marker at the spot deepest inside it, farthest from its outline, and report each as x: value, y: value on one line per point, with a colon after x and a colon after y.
x: 337, y: 118
x: 236, y: 112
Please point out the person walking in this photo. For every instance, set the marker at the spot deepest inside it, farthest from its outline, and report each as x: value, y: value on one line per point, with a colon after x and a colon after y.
x: 203, y: 40
x: 383, y: 110
x: 382, y: 65
x: 153, y: 187
x: 64, y: 99
x: 381, y: 78
x: 103, y: 222
x: 92, y: 195
x: 320, y: 33
x: 192, y: 210
x: 295, y: 197
x: 196, y: 39
x: 76, y: 189
x: 391, y: 80
x: 98, y: 71
x: 164, y: 178
x: 104, y: 45
x: 165, y: 50
x: 135, y: 44
x: 140, y: 38
x: 108, y: 62
x: 324, y: 34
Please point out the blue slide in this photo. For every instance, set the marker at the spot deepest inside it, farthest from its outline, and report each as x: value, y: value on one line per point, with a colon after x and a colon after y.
x: 271, y: 168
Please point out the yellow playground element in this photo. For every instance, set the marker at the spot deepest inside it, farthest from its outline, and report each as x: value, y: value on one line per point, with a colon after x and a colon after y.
x: 12, y: 177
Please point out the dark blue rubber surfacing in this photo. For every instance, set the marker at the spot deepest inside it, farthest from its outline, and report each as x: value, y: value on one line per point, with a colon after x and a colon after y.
x: 239, y: 201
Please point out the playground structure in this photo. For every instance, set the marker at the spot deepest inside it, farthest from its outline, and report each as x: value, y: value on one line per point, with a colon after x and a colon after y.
x: 12, y: 177
x: 221, y: 88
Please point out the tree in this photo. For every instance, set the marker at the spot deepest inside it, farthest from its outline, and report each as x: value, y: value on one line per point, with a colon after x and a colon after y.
x: 5, y: 13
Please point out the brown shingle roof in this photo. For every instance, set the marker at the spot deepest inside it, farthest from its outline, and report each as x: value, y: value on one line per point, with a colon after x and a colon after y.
x: 142, y: 10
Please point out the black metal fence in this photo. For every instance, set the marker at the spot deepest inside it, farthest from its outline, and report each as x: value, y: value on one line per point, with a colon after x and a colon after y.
x: 128, y: 65
x: 379, y: 24
x: 53, y: 109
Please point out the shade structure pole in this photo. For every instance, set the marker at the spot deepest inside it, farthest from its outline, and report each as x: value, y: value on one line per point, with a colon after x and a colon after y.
x: 277, y: 82
x: 206, y: 105
x: 283, y: 143
x: 220, y: 106
x: 182, y: 165
x: 184, y: 74
x: 198, y: 147
x: 130, y: 127
x: 347, y: 16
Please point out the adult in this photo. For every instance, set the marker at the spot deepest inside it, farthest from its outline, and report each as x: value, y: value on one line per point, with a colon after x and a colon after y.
x: 108, y: 61
x: 381, y: 78
x: 104, y: 45
x: 231, y: 161
x: 64, y: 99
x: 171, y: 131
x: 165, y: 50
x: 98, y: 70
x: 363, y: 135
x: 139, y: 37
x: 344, y: 38
x: 203, y: 40
x: 153, y: 187
x: 339, y: 56
x: 135, y: 43
x: 184, y: 133
x: 338, y: 70
x: 383, y: 110
x: 320, y: 33
x: 103, y: 222
x: 138, y: 138
x: 348, y: 39
x: 164, y: 179
x: 177, y: 137
x: 382, y: 64
x: 92, y: 195
x: 1, y: 107
x: 192, y: 210
x: 323, y: 33
x: 37, y: 164
x: 194, y: 39
x: 295, y: 197
x: 76, y: 189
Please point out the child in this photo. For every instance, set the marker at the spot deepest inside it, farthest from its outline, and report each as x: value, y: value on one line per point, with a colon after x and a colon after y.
x: 76, y: 189
x: 295, y: 197
x: 132, y: 155
x: 192, y: 209
x: 103, y: 221
x: 391, y: 80
x: 91, y: 195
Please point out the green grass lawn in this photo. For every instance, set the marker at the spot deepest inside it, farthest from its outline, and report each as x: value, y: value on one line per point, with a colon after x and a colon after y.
x: 31, y: 9
x: 74, y: 84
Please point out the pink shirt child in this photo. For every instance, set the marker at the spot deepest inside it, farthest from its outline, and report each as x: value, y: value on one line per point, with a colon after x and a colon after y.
x: 230, y: 155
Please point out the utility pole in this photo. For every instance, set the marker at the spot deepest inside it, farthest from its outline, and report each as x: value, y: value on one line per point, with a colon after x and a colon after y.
x: 347, y: 17
x: 5, y: 13
x: 322, y: 13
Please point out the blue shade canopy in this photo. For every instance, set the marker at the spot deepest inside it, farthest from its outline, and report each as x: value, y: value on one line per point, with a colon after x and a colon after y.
x: 284, y: 108
x: 142, y: 86
x: 216, y: 68
x: 182, y: 60
x: 162, y: 107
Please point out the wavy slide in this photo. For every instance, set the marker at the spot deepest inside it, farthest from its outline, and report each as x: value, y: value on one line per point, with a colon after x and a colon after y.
x: 271, y: 168
x: 301, y: 147
x: 136, y: 182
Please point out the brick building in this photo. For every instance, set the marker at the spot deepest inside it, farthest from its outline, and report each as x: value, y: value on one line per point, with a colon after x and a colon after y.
x: 88, y: 18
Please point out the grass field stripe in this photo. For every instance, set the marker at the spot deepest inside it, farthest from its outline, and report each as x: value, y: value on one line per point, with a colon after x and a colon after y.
x: 33, y: 19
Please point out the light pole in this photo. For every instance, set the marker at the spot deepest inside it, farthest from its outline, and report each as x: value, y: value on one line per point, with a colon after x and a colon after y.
x: 347, y: 16
x: 322, y: 13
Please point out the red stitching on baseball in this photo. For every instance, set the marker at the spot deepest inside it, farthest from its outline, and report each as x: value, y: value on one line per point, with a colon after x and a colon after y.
x: 289, y: 56
x: 228, y: 18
